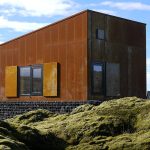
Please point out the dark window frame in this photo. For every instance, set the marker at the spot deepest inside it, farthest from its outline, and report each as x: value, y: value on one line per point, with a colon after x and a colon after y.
x: 103, y: 93
x: 31, y: 80
x: 99, y: 37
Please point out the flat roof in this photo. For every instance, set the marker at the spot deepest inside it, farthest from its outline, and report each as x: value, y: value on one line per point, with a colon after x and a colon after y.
x: 67, y: 19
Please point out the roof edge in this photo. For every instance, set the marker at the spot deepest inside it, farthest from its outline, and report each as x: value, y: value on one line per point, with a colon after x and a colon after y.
x: 83, y: 11
x: 117, y: 17
x: 56, y: 22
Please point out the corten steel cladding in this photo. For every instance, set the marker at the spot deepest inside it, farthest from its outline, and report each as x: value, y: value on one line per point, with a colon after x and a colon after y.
x: 64, y: 42
x: 125, y: 45
x: 73, y: 45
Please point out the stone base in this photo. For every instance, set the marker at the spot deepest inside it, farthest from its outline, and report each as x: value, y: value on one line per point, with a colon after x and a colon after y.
x: 10, y: 109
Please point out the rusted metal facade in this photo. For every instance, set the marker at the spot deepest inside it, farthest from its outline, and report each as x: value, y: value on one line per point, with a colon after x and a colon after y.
x: 125, y: 45
x: 73, y: 45
x: 64, y: 42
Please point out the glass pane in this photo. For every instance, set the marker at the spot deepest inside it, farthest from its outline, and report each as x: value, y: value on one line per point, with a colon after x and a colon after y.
x: 37, y: 81
x: 25, y: 80
x: 100, y: 34
x: 97, y: 79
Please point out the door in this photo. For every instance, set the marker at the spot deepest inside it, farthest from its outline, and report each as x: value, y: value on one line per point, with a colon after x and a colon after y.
x: 112, y: 79
x: 98, y: 72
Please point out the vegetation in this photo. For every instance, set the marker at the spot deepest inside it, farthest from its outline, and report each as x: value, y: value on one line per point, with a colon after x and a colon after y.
x: 120, y: 124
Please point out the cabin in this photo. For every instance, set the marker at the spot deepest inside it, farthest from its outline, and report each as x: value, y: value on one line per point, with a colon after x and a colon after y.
x: 87, y: 56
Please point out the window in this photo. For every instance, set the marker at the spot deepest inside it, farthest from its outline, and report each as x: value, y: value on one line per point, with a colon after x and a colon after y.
x: 106, y: 79
x: 36, y: 80
x: 98, y: 78
x: 25, y: 86
x: 100, y: 34
x: 31, y: 80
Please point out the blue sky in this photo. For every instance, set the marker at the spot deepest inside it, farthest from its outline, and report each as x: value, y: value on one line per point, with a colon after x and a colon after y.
x: 18, y: 17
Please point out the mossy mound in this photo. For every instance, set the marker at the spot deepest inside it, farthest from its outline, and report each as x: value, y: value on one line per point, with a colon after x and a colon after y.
x: 120, y: 124
x: 7, y: 139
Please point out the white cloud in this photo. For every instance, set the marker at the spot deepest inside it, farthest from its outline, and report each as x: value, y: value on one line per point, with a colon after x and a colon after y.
x: 148, y: 73
x: 39, y: 7
x: 1, y: 39
x: 19, y: 26
x: 110, y: 12
x: 148, y: 64
x: 8, y: 12
x: 148, y: 81
x: 1, y: 42
x: 126, y: 5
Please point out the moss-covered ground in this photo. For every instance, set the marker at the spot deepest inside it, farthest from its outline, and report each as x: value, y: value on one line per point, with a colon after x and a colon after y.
x: 121, y: 124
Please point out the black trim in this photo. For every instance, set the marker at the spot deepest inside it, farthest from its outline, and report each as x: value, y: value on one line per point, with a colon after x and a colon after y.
x: 18, y: 81
x: 97, y: 37
x: 103, y: 78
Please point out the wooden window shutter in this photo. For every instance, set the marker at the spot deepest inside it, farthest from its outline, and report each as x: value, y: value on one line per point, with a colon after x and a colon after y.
x: 11, y: 81
x: 50, y: 79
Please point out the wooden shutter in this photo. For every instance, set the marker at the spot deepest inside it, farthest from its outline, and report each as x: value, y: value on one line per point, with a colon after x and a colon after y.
x: 11, y: 81
x: 50, y: 79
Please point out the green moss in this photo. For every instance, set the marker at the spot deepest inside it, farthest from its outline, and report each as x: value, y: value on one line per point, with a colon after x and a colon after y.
x: 8, y: 142
x: 82, y: 108
x: 120, y: 124
x: 32, y: 117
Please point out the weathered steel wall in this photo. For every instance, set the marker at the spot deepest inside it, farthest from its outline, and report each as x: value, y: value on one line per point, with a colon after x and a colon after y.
x: 125, y: 44
x: 64, y: 42
x: 72, y: 43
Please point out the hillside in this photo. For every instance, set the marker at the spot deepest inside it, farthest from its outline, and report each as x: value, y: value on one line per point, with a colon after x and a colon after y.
x: 122, y: 124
